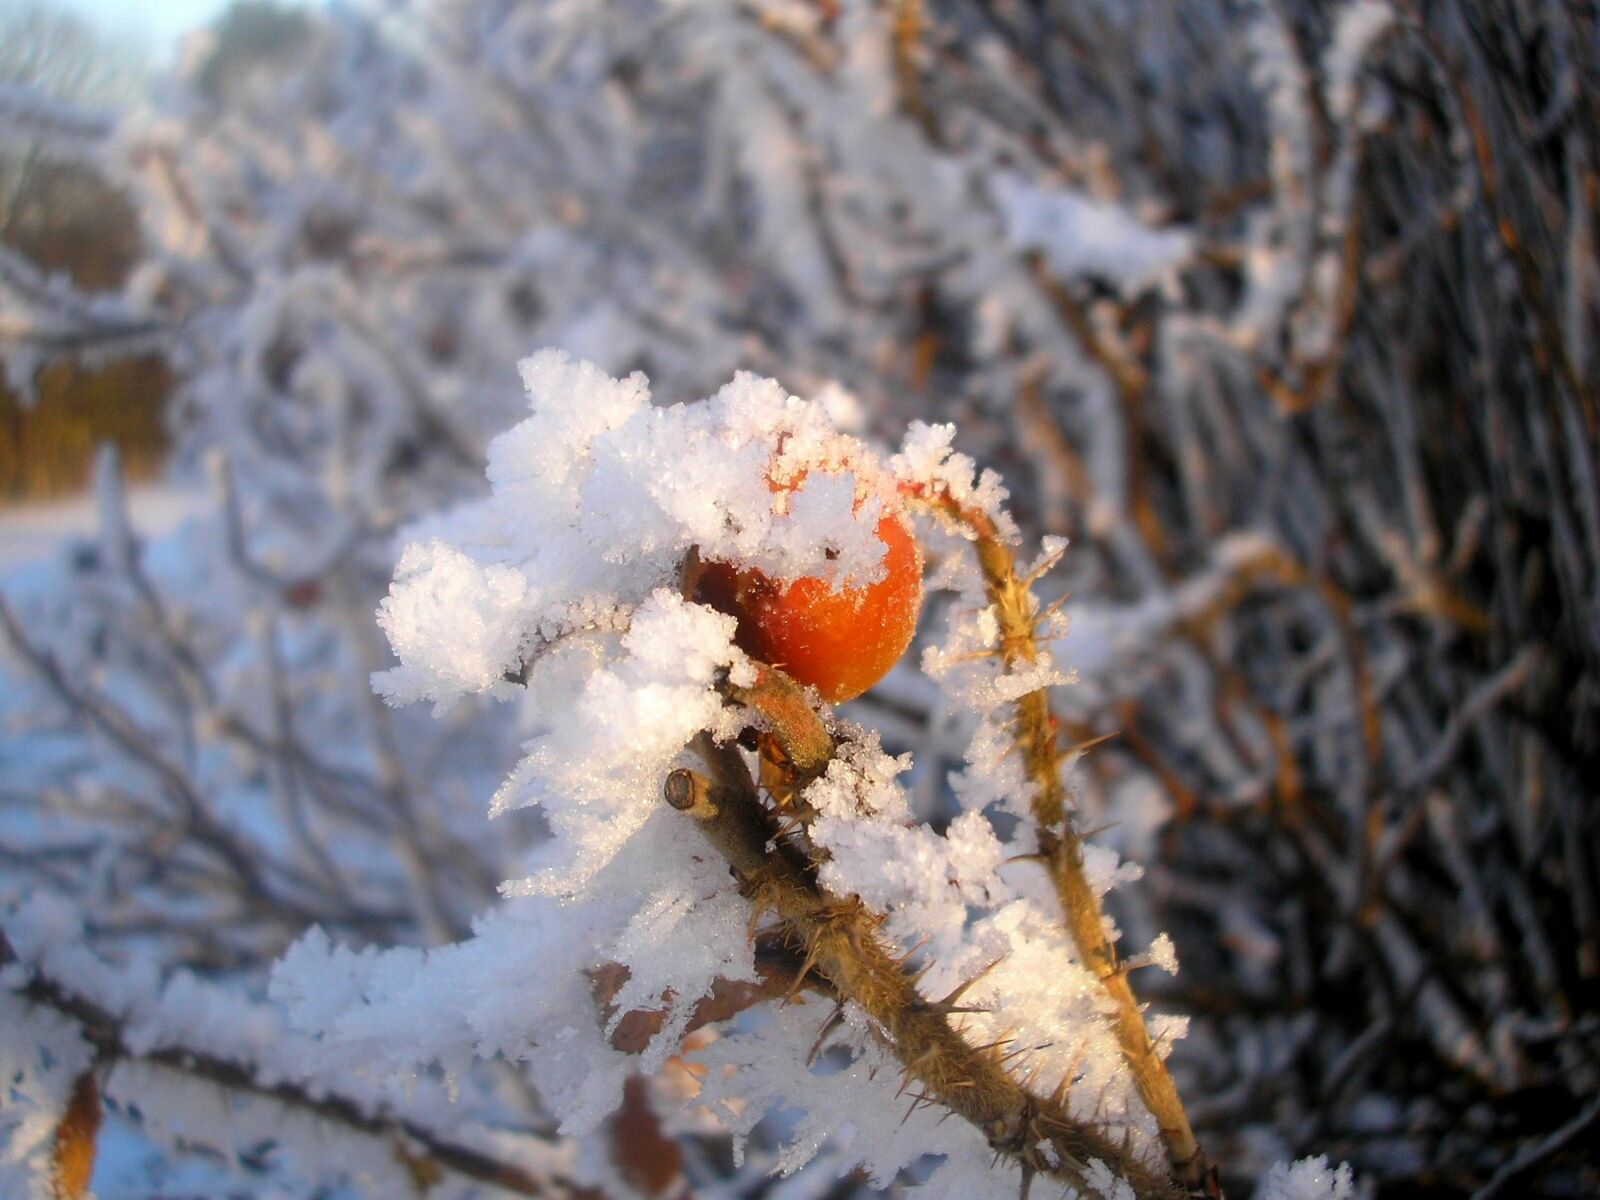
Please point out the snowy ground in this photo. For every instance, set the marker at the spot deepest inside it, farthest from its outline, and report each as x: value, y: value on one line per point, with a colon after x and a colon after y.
x: 32, y: 533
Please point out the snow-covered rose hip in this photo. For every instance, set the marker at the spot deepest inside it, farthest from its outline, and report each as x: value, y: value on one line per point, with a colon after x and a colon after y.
x: 839, y: 641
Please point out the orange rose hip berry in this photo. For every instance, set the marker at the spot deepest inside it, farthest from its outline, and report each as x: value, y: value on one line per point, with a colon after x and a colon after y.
x: 840, y: 642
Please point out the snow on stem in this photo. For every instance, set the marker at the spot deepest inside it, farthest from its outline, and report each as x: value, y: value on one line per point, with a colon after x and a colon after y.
x: 842, y: 941
x: 1060, y: 846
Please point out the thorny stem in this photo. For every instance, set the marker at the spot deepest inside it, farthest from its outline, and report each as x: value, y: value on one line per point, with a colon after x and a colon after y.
x: 843, y: 943
x: 1061, y: 848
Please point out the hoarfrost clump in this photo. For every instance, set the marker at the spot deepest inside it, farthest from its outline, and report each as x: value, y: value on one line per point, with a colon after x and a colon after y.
x: 1308, y: 1179
x: 568, y: 587
x: 477, y: 610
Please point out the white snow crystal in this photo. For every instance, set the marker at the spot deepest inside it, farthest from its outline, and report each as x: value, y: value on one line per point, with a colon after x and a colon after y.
x: 456, y: 624
x: 1308, y: 1179
x: 1164, y: 954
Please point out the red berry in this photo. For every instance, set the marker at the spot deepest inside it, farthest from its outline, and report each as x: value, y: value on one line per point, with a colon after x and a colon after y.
x: 839, y: 641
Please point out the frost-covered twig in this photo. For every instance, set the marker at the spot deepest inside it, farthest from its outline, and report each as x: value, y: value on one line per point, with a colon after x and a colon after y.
x: 413, y: 1144
x: 1038, y: 741
x: 824, y: 859
x: 255, y: 877
x: 842, y: 940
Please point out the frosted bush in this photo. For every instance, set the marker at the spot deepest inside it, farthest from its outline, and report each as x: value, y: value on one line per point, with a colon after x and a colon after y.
x: 1202, y: 290
x: 920, y: 969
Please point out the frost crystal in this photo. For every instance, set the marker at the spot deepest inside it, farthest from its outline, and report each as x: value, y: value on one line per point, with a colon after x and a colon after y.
x: 1164, y: 954
x: 1308, y: 1179
x: 456, y: 624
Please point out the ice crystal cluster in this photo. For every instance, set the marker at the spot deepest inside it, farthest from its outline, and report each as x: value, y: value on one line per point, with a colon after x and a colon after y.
x: 561, y: 590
